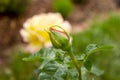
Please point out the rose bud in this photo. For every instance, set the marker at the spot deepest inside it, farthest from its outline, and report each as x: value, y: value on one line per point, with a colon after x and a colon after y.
x: 59, y: 38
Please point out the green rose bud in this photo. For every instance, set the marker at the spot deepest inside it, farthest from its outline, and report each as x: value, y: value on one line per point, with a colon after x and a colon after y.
x: 59, y: 38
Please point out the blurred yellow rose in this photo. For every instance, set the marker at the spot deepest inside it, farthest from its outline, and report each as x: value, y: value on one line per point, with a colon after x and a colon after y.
x: 34, y: 31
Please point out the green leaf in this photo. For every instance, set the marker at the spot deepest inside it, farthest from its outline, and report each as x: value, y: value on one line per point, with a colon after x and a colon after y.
x: 44, y: 63
x: 73, y: 74
x: 92, y: 48
x: 33, y: 57
x: 53, y: 71
x: 88, y: 65
x: 83, y: 73
x: 80, y: 57
x: 53, y: 64
x: 96, y: 71
x: 44, y: 76
x: 46, y: 53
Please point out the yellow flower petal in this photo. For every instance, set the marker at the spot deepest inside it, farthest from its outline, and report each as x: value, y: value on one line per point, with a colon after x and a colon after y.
x: 34, y: 28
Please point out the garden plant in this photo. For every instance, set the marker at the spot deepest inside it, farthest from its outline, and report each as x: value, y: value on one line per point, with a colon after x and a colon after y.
x: 58, y: 61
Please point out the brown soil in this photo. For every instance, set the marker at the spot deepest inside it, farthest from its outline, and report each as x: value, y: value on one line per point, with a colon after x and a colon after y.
x: 10, y: 26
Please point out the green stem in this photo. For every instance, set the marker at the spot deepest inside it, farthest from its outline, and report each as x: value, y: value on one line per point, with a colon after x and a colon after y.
x: 75, y: 63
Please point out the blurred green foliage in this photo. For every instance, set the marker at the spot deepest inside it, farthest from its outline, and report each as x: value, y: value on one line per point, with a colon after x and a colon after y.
x: 63, y: 6
x: 102, y: 33
x: 13, y: 7
x: 17, y: 69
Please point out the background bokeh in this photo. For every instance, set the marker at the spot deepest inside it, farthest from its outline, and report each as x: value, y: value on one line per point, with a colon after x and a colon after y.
x: 93, y: 21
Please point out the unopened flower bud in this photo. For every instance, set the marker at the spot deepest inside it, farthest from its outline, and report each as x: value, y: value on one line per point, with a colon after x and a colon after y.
x: 59, y: 38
